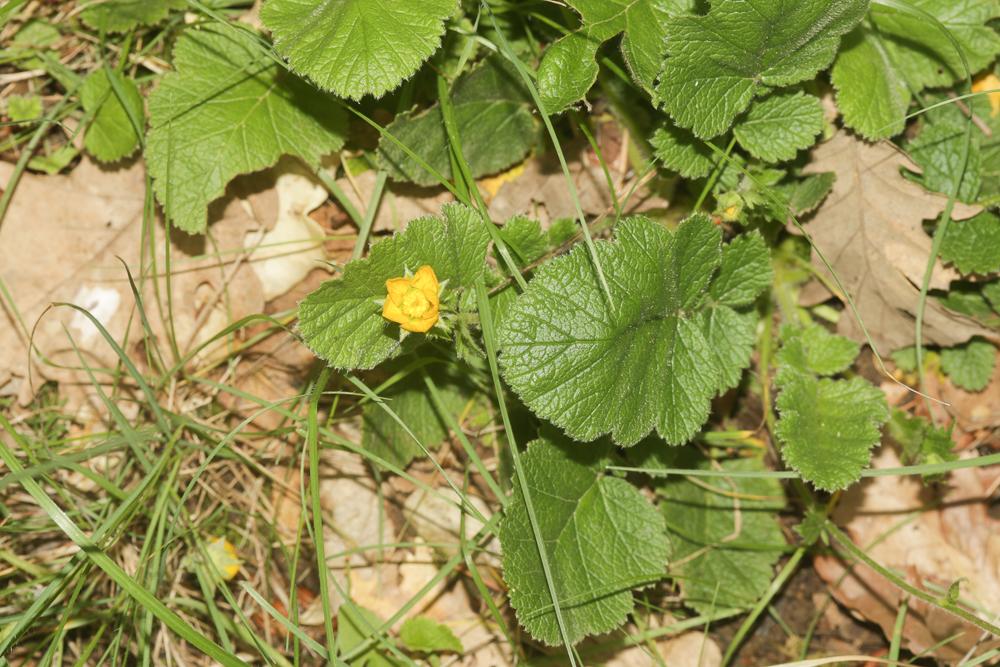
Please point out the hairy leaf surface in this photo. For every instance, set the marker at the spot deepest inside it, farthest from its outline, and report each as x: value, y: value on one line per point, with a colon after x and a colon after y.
x: 356, y: 47
x: 228, y: 109
x: 717, y: 63
x: 970, y: 365
x: 682, y: 152
x: 780, y: 125
x: 602, y: 538
x: 973, y: 245
x: 872, y: 93
x: 827, y: 426
x: 650, y: 359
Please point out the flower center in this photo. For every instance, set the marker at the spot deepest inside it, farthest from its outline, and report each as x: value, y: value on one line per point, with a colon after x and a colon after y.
x: 414, y: 304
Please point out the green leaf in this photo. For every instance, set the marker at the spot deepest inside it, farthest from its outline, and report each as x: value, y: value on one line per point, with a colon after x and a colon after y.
x: 494, y: 119
x: 22, y: 108
x: 602, y: 537
x: 731, y: 335
x: 111, y: 135
x: 811, y: 528
x: 525, y: 239
x: 682, y: 152
x: 124, y: 15
x: 228, y: 109
x: 729, y: 324
x: 808, y: 193
x: 872, y: 93
x: 726, y: 546
x: 905, y: 358
x: 778, y: 126
x: 428, y: 636
x: 921, y: 441
x: 923, y: 51
x: 54, y: 162
x: 341, y: 321
x: 567, y: 71
x: 409, y: 399
x: 827, y: 427
x: 716, y: 63
x: 355, y: 624
x: 937, y: 150
x: 356, y: 47
x: 970, y: 299
x: 642, y: 363
x: 969, y: 365
x: 973, y: 245
x: 745, y: 271
x: 568, y: 68
x: 814, y: 350
x: 991, y: 291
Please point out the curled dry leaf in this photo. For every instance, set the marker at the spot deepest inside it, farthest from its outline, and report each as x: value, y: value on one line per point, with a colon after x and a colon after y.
x: 870, y: 230
x: 954, y: 537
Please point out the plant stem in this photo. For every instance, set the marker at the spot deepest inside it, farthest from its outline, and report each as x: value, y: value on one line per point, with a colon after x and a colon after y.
x: 851, y: 548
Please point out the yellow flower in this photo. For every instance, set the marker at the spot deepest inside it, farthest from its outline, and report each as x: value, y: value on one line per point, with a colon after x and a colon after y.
x: 413, y: 302
x: 989, y: 82
x: 223, y: 556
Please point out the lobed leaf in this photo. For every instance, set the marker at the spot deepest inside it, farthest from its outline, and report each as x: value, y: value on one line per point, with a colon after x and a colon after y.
x: 938, y: 150
x: 228, y: 109
x: 872, y: 93
x: 973, y: 245
x: 356, y: 47
x: 970, y: 365
x: 718, y: 62
x: 827, y: 427
x: 682, y: 152
x: 651, y: 358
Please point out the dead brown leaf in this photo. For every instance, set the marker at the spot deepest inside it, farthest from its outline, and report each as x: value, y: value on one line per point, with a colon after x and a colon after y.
x: 930, y: 535
x: 869, y: 229
x: 59, y: 243
x: 62, y: 240
x: 972, y: 410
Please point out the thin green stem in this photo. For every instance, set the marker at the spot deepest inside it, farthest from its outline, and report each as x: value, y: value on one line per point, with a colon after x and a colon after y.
x: 322, y: 572
x: 848, y: 545
x: 486, y: 317
x: 762, y: 604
